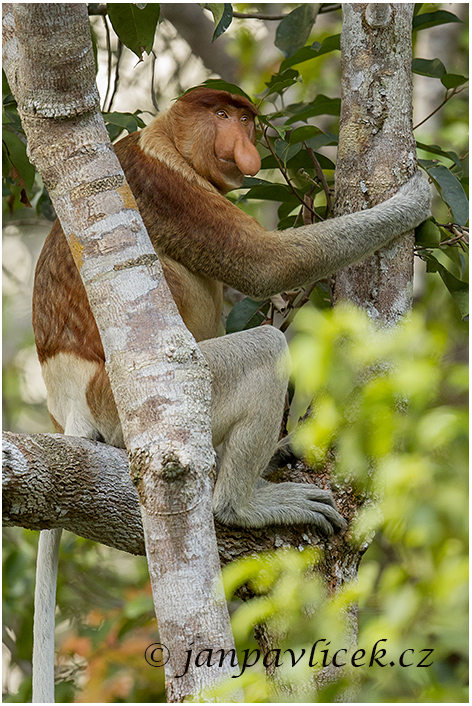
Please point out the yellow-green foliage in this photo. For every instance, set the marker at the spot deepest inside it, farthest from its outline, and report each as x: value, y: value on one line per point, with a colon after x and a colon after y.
x: 391, y: 404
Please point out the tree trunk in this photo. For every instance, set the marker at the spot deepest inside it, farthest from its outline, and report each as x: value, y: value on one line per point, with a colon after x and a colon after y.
x: 376, y: 155
x: 377, y: 152
x: 149, y: 352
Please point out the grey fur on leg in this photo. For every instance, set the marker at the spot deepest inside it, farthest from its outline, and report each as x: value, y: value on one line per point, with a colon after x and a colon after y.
x: 249, y: 382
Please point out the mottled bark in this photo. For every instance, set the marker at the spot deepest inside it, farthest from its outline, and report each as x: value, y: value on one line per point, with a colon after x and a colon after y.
x: 51, y: 480
x: 376, y: 147
x: 151, y: 356
x: 55, y: 481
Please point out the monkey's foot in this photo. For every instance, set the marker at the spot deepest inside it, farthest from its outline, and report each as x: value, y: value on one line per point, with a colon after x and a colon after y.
x: 283, y: 504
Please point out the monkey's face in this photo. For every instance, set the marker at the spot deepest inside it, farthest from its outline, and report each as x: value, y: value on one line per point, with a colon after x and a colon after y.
x: 234, y: 150
x: 217, y: 136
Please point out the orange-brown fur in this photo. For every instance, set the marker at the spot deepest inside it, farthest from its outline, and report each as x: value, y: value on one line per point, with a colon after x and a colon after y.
x: 178, y: 169
x: 168, y: 191
x: 159, y: 163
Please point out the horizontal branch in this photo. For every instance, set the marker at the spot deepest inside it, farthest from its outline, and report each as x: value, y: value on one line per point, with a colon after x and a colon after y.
x: 83, y: 486
x: 51, y: 480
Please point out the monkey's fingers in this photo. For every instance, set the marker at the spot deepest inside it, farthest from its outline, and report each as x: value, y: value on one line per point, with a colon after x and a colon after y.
x: 314, y: 505
x: 283, y: 503
x: 328, y: 519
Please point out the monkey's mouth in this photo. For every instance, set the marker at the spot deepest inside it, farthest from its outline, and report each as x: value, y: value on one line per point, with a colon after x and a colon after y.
x: 230, y: 162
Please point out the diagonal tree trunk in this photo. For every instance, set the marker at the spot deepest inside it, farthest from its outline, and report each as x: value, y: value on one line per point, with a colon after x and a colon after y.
x: 52, y: 76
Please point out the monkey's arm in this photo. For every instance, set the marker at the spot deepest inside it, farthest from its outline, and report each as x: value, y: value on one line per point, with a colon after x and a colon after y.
x: 313, y: 252
x: 205, y: 232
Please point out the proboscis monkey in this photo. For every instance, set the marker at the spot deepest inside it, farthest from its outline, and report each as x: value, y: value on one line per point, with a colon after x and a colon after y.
x: 179, y: 168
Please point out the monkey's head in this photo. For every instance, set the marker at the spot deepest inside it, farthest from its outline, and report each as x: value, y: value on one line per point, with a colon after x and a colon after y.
x: 215, y: 132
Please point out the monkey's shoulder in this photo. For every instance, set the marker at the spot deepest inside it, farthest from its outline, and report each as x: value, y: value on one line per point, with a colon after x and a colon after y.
x: 161, y: 191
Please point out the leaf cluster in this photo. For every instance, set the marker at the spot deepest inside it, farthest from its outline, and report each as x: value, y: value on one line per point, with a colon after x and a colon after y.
x: 394, y: 406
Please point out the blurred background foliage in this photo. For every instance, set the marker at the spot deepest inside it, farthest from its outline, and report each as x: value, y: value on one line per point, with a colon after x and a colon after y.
x: 394, y: 406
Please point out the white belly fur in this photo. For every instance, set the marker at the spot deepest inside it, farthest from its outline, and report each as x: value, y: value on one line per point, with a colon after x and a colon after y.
x: 67, y: 379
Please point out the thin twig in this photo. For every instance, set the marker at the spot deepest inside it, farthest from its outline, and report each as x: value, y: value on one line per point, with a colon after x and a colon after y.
x: 257, y: 16
x: 326, y: 7
x: 322, y: 178
x: 117, y: 74
x: 284, y: 173
x: 153, y: 74
x: 447, y: 98
x: 296, y: 304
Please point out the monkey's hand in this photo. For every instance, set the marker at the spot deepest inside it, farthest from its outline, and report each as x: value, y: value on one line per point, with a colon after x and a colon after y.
x: 414, y: 199
x: 284, y: 504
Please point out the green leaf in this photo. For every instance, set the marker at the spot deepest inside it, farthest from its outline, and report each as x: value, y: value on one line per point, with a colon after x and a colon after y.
x: 428, y: 234
x: 300, y: 160
x: 117, y: 122
x: 331, y: 43
x: 272, y: 192
x: 434, y: 68
x: 281, y: 86
x: 16, y: 153
x: 222, y: 16
x: 453, y: 80
x: 322, y: 140
x: 458, y: 290
x: 435, y: 149
x: 294, y: 30
x: 432, y: 19
x: 284, y: 79
x: 135, y: 25
x: 322, y: 105
x: 285, y: 151
x: 254, y: 181
x: 286, y: 208
x: 303, y: 133
x: 452, y: 192
x: 246, y: 314
x: 220, y: 85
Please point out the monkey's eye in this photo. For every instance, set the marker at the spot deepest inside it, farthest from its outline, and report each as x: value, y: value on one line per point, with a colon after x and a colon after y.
x: 222, y: 113
x: 244, y: 119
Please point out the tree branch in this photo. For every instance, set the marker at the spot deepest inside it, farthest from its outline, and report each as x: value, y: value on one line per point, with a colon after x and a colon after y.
x: 52, y: 480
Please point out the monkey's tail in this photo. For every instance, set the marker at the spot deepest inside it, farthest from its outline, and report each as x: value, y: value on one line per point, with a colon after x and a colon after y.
x: 44, y: 616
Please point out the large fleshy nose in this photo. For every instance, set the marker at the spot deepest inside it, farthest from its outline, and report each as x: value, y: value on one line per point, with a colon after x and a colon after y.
x: 233, y: 145
x: 246, y: 156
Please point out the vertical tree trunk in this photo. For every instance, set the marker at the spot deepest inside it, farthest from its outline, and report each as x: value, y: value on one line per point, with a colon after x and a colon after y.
x: 377, y: 151
x: 151, y: 356
x: 376, y: 155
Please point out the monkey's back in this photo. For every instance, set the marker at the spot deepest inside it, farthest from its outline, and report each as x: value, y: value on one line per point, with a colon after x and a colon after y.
x: 62, y: 319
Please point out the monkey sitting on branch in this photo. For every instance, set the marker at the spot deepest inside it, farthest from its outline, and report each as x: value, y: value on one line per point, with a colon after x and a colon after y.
x: 179, y: 168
